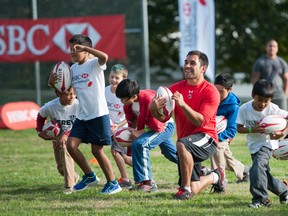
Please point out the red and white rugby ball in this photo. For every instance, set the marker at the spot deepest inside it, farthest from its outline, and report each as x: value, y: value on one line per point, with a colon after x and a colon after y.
x: 64, y: 76
x: 221, y: 123
x: 165, y: 92
x: 122, y: 137
x: 51, y: 129
x: 273, y: 123
x: 282, y: 152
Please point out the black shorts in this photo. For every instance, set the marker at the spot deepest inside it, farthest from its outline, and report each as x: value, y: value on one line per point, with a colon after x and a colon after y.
x: 201, y: 146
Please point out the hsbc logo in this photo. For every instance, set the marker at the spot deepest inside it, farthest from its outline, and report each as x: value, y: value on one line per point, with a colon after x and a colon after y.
x: 60, y: 38
x: 117, y: 106
x: 85, y: 75
x: 46, y: 40
x: 16, y: 39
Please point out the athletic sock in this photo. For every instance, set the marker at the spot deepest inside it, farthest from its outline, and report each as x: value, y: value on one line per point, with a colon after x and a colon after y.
x: 187, y: 188
x: 90, y: 174
x: 114, y: 181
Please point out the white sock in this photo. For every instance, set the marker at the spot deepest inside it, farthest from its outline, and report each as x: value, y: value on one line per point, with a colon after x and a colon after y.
x: 187, y: 188
x: 215, y: 177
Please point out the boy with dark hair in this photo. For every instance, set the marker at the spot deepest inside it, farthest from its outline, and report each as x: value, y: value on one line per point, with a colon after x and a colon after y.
x: 63, y: 111
x: 260, y: 144
x: 92, y: 124
x: 228, y: 107
x: 149, y: 132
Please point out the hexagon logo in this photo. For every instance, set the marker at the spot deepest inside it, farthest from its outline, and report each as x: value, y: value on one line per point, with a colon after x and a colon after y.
x: 67, y: 31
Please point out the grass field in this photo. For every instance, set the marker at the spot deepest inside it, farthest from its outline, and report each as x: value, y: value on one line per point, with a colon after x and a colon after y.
x: 31, y: 185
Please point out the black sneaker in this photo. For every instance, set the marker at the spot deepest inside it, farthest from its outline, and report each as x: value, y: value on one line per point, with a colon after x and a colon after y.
x: 265, y: 203
x: 221, y: 185
x: 283, y: 198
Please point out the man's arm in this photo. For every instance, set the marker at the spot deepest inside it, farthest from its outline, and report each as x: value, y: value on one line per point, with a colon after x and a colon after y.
x: 255, y: 77
x: 285, y: 78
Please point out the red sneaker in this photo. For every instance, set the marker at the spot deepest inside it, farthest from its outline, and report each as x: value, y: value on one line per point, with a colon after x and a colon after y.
x: 125, y: 183
x: 147, y: 186
x: 183, y: 194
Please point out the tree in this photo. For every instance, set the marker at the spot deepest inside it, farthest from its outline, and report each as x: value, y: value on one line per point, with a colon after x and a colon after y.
x: 242, y: 30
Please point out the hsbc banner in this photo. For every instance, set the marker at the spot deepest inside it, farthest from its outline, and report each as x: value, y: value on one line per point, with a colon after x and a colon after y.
x: 197, y: 27
x: 45, y: 40
x: 18, y: 115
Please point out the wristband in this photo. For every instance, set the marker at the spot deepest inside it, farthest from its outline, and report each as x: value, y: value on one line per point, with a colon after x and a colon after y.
x: 249, y: 130
x: 146, y: 129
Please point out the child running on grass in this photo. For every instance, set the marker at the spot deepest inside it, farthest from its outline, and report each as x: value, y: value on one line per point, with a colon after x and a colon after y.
x: 92, y: 124
x: 260, y: 144
x: 228, y: 107
x: 117, y: 117
x: 63, y: 111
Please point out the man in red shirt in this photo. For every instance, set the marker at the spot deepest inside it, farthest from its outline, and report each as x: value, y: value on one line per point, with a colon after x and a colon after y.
x: 196, y: 103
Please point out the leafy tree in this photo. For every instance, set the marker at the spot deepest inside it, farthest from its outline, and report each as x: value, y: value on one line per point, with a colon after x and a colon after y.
x: 242, y: 30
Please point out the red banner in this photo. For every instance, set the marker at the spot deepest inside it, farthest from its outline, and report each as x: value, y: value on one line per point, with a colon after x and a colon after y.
x: 47, y: 39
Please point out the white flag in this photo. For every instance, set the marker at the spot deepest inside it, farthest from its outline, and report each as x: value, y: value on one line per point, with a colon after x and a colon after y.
x: 197, y: 28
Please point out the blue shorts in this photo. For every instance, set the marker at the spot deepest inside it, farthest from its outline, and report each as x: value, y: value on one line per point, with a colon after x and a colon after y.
x: 95, y: 131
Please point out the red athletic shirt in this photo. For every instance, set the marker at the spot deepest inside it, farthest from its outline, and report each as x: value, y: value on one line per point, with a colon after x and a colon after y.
x: 203, y: 98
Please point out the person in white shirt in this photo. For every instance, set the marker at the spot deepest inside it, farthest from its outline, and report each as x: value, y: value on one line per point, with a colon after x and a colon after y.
x: 121, y: 155
x: 260, y: 144
x: 92, y: 124
x: 61, y: 110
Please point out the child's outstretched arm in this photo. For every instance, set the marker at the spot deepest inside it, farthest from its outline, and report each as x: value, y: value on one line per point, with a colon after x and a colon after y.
x: 102, y: 56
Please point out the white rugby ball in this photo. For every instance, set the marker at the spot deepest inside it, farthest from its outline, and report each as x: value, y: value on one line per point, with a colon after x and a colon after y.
x: 51, y: 129
x: 122, y: 137
x: 273, y: 123
x: 221, y: 123
x: 64, y: 76
x: 165, y: 92
x: 282, y: 152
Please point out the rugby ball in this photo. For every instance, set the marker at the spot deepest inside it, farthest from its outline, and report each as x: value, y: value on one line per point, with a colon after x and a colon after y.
x: 221, y: 123
x: 122, y: 137
x: 282, y: 152
x: 64, y: 76
x: 165, y: 92
x: 273, y: 123
x: 51, y: 129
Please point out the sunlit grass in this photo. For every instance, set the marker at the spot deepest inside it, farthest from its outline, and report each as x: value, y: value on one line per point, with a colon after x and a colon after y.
x: 31, y: 185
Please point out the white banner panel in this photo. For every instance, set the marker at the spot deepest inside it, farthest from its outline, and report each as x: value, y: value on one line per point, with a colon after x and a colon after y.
x: 197, y: 30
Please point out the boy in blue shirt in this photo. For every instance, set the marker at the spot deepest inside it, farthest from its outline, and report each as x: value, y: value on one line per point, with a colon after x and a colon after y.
x: 228, y: 107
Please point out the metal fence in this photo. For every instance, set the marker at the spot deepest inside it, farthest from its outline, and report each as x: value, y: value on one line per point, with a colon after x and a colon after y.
x: 17, y: 80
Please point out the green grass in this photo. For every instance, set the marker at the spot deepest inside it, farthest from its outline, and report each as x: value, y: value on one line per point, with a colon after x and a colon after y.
x: 31, y: 185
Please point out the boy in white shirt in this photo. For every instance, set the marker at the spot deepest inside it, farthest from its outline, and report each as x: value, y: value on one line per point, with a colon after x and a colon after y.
x: 260, y: 144
x: 117, y: 117
x: 92, y: 124
x: 63, y: 111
